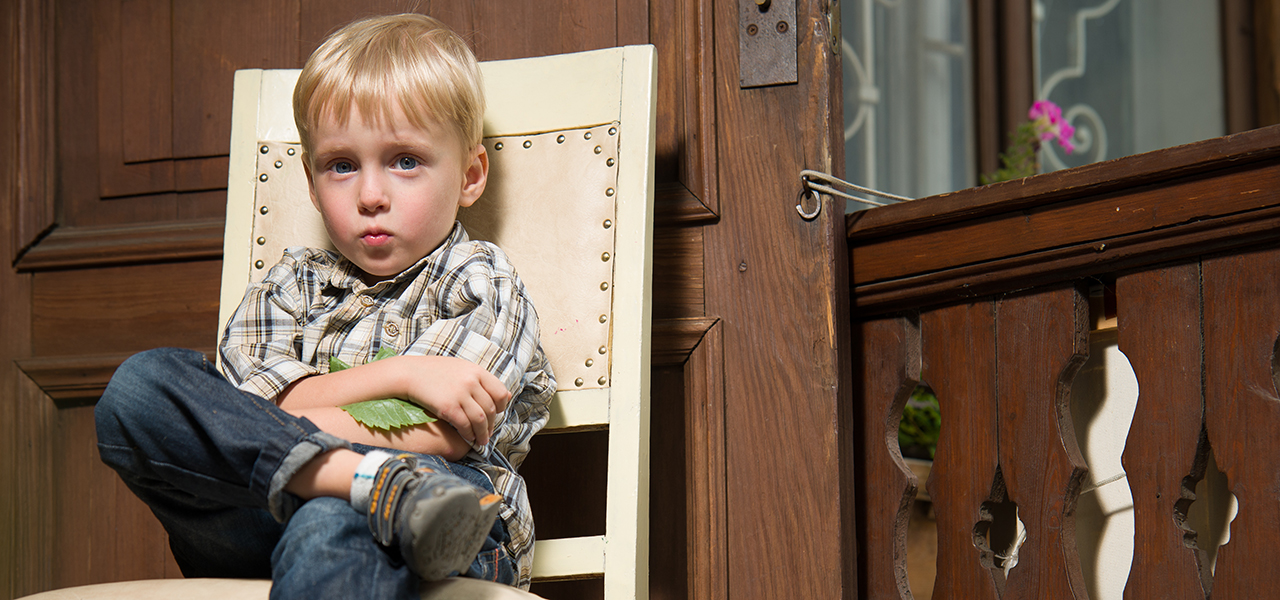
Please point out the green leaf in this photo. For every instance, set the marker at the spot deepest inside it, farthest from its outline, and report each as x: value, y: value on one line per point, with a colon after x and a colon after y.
x: 388, y: 413
x: 385, y: 414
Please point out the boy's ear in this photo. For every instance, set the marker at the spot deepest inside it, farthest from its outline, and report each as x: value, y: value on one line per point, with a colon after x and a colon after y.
x: 311, y: 184
x: 475, y: 177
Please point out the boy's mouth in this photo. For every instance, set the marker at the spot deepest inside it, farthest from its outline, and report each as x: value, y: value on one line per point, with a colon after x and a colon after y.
x: 375, y: 238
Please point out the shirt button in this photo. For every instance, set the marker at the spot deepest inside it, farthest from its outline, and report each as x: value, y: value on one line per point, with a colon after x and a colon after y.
x: 391, y: 328
x: 365, y: 300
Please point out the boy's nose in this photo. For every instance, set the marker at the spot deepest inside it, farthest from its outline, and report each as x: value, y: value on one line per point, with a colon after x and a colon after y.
x: 373, y: 195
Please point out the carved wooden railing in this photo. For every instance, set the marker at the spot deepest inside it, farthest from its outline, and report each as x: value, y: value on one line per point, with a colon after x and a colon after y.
x: 981, y: 293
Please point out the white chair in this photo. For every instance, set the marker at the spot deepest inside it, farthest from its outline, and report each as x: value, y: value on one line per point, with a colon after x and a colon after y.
x: 570, y: 199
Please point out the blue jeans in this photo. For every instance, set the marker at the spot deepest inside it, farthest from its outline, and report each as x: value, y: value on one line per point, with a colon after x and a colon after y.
x: 212, y: 462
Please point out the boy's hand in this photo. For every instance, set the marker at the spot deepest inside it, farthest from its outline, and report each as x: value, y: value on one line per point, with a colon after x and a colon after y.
x: 457, y: 391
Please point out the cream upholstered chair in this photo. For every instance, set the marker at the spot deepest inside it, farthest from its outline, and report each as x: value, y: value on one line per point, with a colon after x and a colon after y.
x: 570, y: 199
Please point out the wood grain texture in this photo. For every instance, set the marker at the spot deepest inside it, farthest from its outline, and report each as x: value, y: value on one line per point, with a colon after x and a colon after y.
x: 1041, y: 341
x: 1129, y: 213
x: 668, y: 480
x: 959, y: 362
x: 1242, y: 412
x: 1159, y: 320
x: 27, y: 517
x: 29, y: 106
x: 81, y: 247
x: 678, y: 290
x: 125, y: 309
x: 705, y: 438
x: 770, y: 280
x: 890, y: 363
x: 1130, y: 172
x: 686, y: 144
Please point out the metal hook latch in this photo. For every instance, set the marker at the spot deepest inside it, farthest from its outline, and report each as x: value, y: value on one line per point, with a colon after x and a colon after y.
x: 814, y: 182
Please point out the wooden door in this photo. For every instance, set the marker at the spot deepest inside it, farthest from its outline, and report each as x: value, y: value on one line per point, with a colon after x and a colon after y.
x: 116, y: 135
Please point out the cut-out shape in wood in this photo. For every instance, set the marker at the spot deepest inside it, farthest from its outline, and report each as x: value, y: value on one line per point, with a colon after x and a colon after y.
x: 1205, y: 512
x: 998, y: 533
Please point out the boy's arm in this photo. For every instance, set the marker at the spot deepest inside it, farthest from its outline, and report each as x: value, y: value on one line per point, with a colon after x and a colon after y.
x: 459, y: 392
x: 494, y: 325
x: 259, y: 352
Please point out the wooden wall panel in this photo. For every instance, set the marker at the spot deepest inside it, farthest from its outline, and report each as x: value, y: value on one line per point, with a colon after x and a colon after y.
x: 145, y: 102
x: 27, y: 519
x: 122, y: 309
x: 1163, y: 444
x: 708, y: 530
x: 104, y: 532
x: 29, y: 126
x: 686, y: 152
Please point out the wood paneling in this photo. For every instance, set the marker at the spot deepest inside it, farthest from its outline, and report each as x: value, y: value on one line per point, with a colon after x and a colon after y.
x: 677, y: 273
x: 28, y: 45
x: 686, y: 152
x: 707, y: 538
x: 104, y: 532
x: 81, y: 247
x: 125, y: 309
x: 1164, y: 441
x: 142, y: 114
x: 27, y: 433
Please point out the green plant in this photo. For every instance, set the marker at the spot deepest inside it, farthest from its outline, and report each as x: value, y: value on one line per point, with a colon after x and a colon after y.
x: 921, y: 423
x: 1022, y: 158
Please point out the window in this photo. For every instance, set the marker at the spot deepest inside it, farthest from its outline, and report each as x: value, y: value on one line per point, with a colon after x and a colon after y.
x: 1129, y: 76
x: 908, y: 95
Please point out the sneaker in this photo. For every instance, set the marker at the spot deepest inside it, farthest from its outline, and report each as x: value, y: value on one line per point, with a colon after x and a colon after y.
x: 437, y: 520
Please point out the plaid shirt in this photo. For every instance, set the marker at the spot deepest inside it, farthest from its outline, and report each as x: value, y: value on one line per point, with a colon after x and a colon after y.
x: 463, y: 300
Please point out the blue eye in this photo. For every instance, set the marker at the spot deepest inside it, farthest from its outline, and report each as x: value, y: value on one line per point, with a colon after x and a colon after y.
x: 343, y: 167
x: 407, y: 163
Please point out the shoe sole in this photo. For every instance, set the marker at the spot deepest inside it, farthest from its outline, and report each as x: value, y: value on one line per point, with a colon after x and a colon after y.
x: 450, y: 528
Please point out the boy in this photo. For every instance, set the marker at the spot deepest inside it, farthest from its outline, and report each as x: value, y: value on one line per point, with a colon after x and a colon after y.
x: 261, y: 471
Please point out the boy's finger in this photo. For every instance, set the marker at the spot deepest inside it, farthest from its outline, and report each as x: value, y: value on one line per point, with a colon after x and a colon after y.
x: 497, y: 391
x: 479, y: 421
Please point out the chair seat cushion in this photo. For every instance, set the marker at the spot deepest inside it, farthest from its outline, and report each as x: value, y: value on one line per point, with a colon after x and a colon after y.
x: 258, y: 589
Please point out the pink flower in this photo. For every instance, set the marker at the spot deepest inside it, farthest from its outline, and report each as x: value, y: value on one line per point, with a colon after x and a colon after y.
x: 1049, y: 124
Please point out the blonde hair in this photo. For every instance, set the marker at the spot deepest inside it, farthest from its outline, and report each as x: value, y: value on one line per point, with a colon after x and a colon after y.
x: 376, y: 63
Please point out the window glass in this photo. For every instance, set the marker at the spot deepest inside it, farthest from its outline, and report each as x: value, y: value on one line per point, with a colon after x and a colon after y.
x: 907, y: 96
x: 1130, y: 75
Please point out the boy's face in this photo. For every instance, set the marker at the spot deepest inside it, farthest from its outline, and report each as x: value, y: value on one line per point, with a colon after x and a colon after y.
x: 389, y: 192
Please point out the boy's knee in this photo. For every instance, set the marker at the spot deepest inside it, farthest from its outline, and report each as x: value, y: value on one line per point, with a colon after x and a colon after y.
x: 135, y: 387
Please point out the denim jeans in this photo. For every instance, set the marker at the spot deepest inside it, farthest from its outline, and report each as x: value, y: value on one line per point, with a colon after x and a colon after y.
x: 212, y: 462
